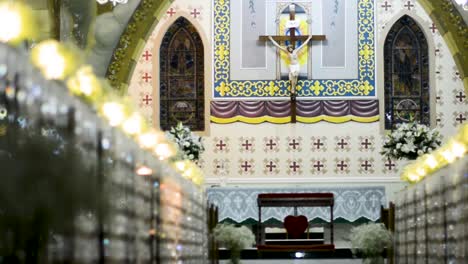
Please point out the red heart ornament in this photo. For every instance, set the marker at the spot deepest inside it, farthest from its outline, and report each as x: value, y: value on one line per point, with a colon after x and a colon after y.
x: 295, y: 225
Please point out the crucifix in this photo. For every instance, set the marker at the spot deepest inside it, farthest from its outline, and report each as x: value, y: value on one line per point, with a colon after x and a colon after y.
x: 294, y: 67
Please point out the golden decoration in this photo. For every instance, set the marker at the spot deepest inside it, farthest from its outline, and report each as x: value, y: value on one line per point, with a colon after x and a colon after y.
x: 317, y: 88
x: 364, y: 85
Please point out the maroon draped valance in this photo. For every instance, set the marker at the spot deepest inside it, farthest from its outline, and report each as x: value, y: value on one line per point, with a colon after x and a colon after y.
x: 306, y: 109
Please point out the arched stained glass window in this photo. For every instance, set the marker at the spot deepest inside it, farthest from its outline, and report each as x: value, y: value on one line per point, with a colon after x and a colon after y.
x: 182, y: 77
x: 406, y: 61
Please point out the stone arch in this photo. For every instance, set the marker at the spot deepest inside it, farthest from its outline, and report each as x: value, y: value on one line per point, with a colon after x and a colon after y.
x: 452, y: 28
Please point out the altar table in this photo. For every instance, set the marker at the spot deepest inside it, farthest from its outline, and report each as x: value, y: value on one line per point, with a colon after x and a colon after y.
x: 295, y: 200
x: 351, y: 203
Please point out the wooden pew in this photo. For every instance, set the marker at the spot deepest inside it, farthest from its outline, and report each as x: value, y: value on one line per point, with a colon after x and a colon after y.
x: 387, y: 216
x: 212, y: 245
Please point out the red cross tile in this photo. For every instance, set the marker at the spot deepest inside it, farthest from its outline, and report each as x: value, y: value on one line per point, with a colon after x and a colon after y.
x: 195, y: 13
x: 366, y: 165
x: 342, y: 165
x: 294, y: 144
x: 460, y: 118
x: 342, y: 143
x: 171, y: 12
x: 318, y: 144
x: 147, y: 55
x: 146, y: 77
x: 460, y: 96
x: 386, y: 5
x: 221, y: 145
x: 246, y: 166
x: 147, y: 99
x: 409, y: 5
x: 390, y: 165
x: 271, y: 165
x: 294, y: 166
x: 318, y: 165
x: 271, y: 144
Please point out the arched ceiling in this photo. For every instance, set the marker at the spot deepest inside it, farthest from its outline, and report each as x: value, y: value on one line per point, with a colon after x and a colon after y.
x: 444, y: 14
x: 146, y: 16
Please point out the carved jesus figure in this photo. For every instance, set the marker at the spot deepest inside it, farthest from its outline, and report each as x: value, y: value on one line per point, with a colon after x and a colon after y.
x: 294, y: 67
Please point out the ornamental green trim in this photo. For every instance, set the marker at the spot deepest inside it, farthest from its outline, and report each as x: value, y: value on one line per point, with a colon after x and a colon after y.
x: 453, y: 29
x: 128, y: 49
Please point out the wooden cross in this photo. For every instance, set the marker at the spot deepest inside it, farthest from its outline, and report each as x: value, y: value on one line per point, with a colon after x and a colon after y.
x: 292, y: 38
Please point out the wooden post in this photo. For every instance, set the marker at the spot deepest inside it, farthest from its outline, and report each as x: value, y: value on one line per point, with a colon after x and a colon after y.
x: 100, y: 176
x: 331, y: 224
x: 292, y: 38
x: 54, y: 14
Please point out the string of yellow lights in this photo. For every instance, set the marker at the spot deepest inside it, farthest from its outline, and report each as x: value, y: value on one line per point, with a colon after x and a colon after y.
x: 61, y: 62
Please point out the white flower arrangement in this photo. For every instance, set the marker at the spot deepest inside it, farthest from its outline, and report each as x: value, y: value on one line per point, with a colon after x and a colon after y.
x: 189, y: 143
x: 370, y: 239
x: 234, y: 239
x: 410, y: 141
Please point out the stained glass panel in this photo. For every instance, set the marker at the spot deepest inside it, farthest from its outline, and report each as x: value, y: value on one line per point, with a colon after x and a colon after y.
x: 182, y: 77
x: 406, y: 74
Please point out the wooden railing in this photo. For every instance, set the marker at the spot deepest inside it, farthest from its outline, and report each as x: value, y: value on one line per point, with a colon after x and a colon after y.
x: 156, y: 218
x: 387, y: 216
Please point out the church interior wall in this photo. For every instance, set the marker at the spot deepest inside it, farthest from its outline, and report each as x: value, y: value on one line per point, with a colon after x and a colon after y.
x: 223, y: 165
